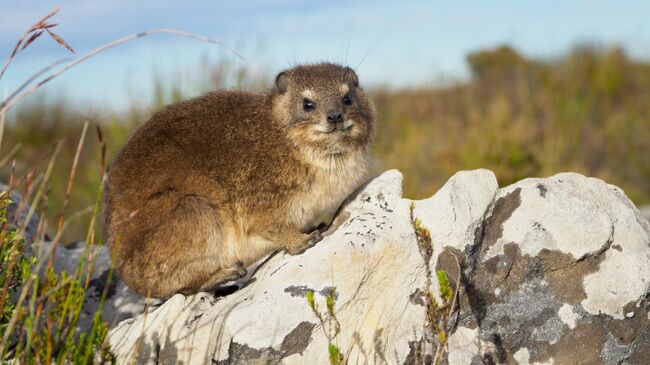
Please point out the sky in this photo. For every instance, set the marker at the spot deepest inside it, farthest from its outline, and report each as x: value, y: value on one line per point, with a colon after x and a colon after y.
x: 409, y: 43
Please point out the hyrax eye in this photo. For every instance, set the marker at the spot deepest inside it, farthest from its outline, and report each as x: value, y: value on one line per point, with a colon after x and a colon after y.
x: 308, y: 105
x: 347, y: 99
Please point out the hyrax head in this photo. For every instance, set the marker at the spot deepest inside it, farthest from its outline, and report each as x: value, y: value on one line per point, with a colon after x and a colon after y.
x: 323, y: 108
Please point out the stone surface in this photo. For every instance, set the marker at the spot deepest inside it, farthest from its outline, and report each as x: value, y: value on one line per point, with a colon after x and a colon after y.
x: 369, y: 261
x: 18, y: 211
x: 554, y: 271
x: 645, y: 211
x: 121, y: 302
x: 558, y: 265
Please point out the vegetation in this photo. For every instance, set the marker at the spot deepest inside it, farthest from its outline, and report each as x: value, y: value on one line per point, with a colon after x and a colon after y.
x: 439, y: 313
x: 520, y: 117
x: 585, y: 112
x: 41, y: 307
x: 432, y: 348
x: 329, y: 324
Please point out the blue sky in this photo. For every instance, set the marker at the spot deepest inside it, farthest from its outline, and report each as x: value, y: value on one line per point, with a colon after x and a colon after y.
x: 409, y: 43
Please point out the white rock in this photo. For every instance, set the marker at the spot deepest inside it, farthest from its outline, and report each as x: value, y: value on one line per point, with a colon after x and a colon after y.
x: 458, y: 208
x: 463, y: 346
x: 645, y: 211
x: 583, y: 216
x: 522, y: 356
x: 372, y: 261
x: 568, y: 316
x: 563, y: 206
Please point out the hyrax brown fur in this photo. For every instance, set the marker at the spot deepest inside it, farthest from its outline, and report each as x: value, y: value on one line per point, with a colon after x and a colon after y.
x: 210, y: 185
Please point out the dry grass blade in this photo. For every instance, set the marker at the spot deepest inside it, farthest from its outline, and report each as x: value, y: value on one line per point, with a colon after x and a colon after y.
x: 10, y: 155
x: 11, y: 101
x: 35, y: 30
x: 43, y: 22
x: 138, y: 344
x: 31, y: 39
x: 3, y: 119
x: 42, y: 189
x: 58, y: 39
x: 68, y: 191
x: 102, y: 152
x: 73, y: 173
x: 31, y: 79
x: 11, y: 57
x: 26, y: 288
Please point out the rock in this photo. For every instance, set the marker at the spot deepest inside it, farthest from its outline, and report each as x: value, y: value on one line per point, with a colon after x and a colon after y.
x: 121, y: 302
x: 559, y: 265
x: 268, y: 321
x: 21, y: 209
x: 645, y: 211
x: 551, y: 270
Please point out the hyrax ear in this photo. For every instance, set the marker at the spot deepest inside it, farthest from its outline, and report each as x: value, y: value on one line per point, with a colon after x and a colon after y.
x: 351, y: 76
x: 282, y: 82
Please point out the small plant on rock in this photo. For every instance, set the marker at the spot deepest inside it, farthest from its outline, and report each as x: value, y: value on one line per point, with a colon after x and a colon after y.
x: 329, y: 323
x: 438, y: 314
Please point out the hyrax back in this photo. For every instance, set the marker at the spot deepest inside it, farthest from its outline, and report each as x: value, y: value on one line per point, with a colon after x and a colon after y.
x: 210, y: 185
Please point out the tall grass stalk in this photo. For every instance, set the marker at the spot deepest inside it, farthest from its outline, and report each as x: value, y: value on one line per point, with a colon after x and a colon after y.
x: 40, y: 308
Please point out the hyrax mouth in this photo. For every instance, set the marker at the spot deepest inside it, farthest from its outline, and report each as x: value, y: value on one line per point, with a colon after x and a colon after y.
x: 339, y: 127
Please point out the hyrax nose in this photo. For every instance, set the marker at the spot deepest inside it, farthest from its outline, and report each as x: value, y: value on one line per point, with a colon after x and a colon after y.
x: 334, y: 117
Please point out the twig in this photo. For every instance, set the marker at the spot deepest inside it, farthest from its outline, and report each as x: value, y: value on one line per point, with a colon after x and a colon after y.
x: 6, y: 104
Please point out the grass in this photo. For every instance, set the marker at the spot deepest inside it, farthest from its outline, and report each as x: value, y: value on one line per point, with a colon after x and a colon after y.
x: 40, y: 307
x: 584, y: 112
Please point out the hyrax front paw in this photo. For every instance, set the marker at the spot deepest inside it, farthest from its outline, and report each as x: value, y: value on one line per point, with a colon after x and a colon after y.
x: 302, y: 246
x: 224, y: 276
x: 238, y: 272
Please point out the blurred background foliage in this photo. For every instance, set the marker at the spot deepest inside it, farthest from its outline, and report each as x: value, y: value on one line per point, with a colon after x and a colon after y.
x: 587, y: 111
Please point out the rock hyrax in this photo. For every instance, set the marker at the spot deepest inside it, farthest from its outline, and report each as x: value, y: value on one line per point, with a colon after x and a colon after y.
x: 210, y: 185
